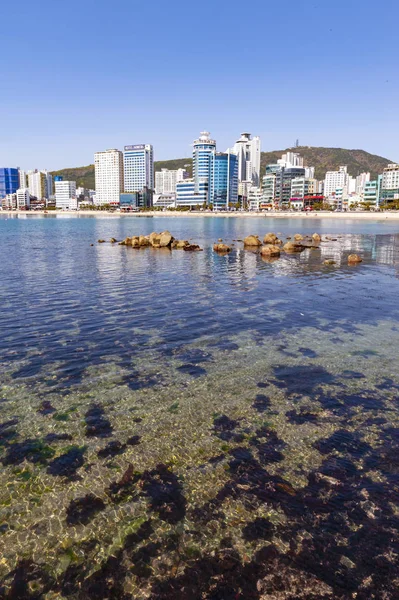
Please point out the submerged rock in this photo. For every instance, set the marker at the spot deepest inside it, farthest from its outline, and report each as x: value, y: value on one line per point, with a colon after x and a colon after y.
x: 291, y: 247
x: 82, y: 510
x: 252, y: 240
x: 67, y: 464
x: 97, y: 425
x: 221, y: 248
x: 329, y: 261
x: 192, y: 248
x: 101, y: 241
x: 111, y: 449
x: 354, y: 258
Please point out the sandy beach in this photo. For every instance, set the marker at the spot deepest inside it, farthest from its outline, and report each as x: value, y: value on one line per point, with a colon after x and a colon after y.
x: 371, y: 216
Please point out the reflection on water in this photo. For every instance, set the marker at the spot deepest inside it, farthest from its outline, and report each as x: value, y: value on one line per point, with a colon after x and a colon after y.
x: 177, y: 425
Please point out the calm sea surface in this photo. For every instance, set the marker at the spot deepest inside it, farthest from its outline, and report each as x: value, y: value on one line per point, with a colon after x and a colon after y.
x: 186, y: 426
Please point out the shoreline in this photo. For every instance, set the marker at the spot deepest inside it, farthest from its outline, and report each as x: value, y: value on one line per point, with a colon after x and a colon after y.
x: 375, y: 216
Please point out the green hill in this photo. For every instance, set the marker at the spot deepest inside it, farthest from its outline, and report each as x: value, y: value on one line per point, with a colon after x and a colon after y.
x: 84, y: 176
x: 323, y: 159
x: 329, y: 159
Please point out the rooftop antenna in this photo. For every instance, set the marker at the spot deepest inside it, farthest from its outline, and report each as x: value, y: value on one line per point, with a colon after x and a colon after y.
x: 297, y: 144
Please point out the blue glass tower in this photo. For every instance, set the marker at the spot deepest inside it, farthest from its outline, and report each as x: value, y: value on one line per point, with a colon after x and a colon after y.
x: 224, y: 181
x: 203, y: 154
x: 9, y: 181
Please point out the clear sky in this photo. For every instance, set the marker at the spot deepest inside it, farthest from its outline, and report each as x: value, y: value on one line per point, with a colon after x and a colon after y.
x: 81, y: 76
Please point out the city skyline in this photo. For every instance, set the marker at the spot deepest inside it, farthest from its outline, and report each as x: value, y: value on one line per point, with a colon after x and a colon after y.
x: 319, y: 77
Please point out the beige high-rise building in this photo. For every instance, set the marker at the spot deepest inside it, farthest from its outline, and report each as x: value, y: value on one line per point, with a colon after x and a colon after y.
x: 108, y: 167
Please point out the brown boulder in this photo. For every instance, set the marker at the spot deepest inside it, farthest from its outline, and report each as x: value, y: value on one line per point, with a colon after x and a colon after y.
x: 270, y: 238
x: 221, y: 248
x: 291, y: 247
x: 192, y: 248
x: 154, y: 238
x: 298, y: 237
x: 329, y: 261
x: 135, y: 242
x: 354, y: 258
x: 144, y: 241
x: 101, y: 241
x: 270, y: 250
x: 113, y: 241
x: 316, y: 238
x: 180, y: 244
x: 165, y: 239
x: 252, y: 240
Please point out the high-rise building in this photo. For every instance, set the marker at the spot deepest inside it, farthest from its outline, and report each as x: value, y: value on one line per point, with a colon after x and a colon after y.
x: 215, y: 177
x: 40, y: 184
x: 65, y: 194
x: 138, y: 166
x: 204, y: 150
x: 22, y: 179
x: 334, y: 180
x: 9, y: 181
x: 390, y: 183
x: 166, y: 179
x: 247, y: 150
x: 224, y: 180
x: 361, y: 180
x: 109, y: 176
x: 269, y: 188
x: 23, y: 198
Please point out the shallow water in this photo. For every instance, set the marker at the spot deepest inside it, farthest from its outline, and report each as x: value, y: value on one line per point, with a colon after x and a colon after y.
x: 188, y: 425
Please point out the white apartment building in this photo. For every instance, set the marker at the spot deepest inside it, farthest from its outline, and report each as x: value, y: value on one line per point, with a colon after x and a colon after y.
x: 390, y: 177
x: 390, y: 183
x: 65, y: 194
x: 108, y: 166
x: 166, y: 179
x: 290, y: 160
x: 23, y: 198
x: 164, y: 200
x: 138, y: 166
x: 247, y: 150
x: 300, y: 187
x: 40, y: 184
x: 334, y: 180
x: 309, y: 172
x: 255, y: 198
x: 361, y: 181
x: 9, y: 202
x: 22, y: 179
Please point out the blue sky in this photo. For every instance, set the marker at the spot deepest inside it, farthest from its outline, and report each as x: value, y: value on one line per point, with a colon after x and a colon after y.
x: 82, y: 76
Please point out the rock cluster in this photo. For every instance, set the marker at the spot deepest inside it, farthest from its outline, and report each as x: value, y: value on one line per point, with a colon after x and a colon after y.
x: 157, y: 240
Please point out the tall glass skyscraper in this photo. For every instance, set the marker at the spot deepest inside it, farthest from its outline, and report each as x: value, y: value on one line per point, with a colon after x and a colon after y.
x: 9, y: 181
x: 224, y: 180
x: 203, y: 153
x: 138, y: 166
